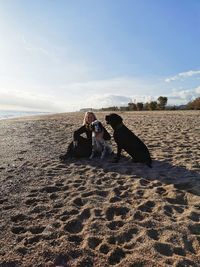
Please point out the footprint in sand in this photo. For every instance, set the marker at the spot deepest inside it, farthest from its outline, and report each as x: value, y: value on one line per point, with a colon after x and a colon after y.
x: 50, y: 189
x: 19, y: 217
x: 147, y: 206
x: 39, y: 209
x: 80, y: 182
x: 76, y: 185
x: 8, y: 207
x: 116, y: 256
x: 76, y: 239
x: 94, y: 242
x: 138, y: 215
x: 178, y: 209
x: 179, y: 251
x: 177, y: 197
x: 144, y: 182
x: 78, y: 202
x: 139, y: 194
x: 20, y: 249
x: 59, y: 184
x: 18, y: 230
x: 153, y: 234
x: 125, y: 194
x: 65, y: 215
x: 36, y: 229
x: 113, y: 211
x: 73, y: 226
x: 98, y: 212
x: 87, y: 194
x: 195, y: 229
x: 85, y: 214
x: 114, y: 199
x: 31, y: 201
x: 104, y: 248
x: 101, y: 193
x: 122, y: 238
x: 115, y: 225
x: 126, y: 236
x: 99, y: 181
x: 76, y: 225
x: 58, y: 205
x: 53, y: 196
x: 163, y: 248
x: 168, y: 210
x: 120, y: 182
x: 116, y: 191
x: 32, y: 240
x: 160, y: 190
x: 194, y: 216
x: 81, y: 188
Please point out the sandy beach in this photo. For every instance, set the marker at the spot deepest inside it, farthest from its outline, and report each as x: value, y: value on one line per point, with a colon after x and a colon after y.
x: 94, y: 212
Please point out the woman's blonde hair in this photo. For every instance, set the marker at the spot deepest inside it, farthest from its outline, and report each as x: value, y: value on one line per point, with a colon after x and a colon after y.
x: 85, y: 122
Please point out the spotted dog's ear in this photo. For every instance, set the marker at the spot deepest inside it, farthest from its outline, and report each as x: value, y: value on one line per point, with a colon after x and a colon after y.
x: 91, y: 126
x: 101, y: 126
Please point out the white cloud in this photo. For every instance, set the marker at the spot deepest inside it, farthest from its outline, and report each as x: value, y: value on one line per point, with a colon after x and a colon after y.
x: 183, y: 96
x: 183, y: 75
x: 21, y: 100
x: 99, y: 101
x: 143, y: 98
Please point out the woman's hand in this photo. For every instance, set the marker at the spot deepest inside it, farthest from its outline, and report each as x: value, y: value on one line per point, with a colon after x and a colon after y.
x: 75, y: 143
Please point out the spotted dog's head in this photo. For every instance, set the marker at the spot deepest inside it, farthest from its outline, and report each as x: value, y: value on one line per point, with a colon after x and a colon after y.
x: 96, y: 126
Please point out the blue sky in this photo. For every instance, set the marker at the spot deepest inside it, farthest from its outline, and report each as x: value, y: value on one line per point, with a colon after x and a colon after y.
x: 65, y: 55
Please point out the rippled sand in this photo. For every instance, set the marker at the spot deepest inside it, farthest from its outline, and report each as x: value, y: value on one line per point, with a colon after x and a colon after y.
x: 97, y: 213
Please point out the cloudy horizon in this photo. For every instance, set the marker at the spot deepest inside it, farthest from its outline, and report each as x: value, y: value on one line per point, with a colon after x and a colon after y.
x: 65, y: 56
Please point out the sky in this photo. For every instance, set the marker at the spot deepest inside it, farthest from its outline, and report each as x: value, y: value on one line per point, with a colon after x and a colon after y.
x: 64, y: 55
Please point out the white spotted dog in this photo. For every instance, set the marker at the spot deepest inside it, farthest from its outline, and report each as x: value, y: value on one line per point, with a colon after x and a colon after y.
x: 99, y: 145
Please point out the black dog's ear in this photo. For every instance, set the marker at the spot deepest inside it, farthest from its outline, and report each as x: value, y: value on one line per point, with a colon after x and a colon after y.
x: 107, y: 118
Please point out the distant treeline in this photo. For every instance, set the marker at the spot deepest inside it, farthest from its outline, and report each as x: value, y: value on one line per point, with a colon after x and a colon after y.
x: 160, y: 104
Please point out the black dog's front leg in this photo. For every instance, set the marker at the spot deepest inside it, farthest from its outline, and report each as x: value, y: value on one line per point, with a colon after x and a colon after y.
x: 118, y: 156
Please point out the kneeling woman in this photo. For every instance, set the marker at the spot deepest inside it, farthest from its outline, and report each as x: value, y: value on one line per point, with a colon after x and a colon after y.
x: 81, y: 146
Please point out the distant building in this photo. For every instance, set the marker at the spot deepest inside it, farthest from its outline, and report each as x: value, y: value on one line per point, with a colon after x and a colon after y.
x: 87, y: 109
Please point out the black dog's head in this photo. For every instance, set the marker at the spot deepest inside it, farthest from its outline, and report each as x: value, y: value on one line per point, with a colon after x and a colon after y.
x: 113, y: 119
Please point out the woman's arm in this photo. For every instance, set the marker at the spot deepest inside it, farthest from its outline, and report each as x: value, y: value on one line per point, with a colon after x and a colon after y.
x: 78, y: 132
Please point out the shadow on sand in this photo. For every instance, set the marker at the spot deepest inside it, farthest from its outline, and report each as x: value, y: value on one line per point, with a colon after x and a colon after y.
x: 163, y: 171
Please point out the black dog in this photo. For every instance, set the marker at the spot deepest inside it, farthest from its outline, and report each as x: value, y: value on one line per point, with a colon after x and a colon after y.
x: 128, y: 141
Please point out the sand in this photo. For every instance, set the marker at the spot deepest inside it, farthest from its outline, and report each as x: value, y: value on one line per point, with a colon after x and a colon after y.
x: 94, y: 212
